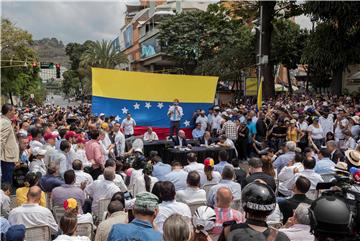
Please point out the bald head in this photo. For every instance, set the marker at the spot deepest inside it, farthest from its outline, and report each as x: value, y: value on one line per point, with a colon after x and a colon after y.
x: 109, y: 173
x: 182, y: 133
x: 34, y: 195
x: 224, y: 197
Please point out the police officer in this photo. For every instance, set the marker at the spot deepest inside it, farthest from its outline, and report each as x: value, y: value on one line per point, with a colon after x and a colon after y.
x: 258, y: 201
x: 331, y: 218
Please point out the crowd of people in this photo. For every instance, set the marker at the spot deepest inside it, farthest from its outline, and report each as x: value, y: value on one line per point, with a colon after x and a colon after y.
x: 54, y: 157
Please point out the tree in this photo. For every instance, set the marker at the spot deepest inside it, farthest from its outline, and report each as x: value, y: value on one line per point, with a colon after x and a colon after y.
x: 17, y: 56
x: 232, y: 61
x: 196, y: 36
x: 335, y: 42
x: 103, y: 55
x: 287, y: 44
x: 74, y: 77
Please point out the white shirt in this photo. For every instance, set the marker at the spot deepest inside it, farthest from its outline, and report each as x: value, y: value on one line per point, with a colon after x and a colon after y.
x: 350, y: 143
x: 37, y: 166
x: 118, y: 182
x: 190, y: 195
x: 120, y: 142
x: 81, y: 177
x: 216, y: 122
x: 168, y: 208
x: 134, y: 175
x: 303, y: 126
x: 151, y: 137
x: 4, y: 203
x: 327, y: 124
x: 128, y: 126
x: 139, y: 184
x: 35, y: 143
x: 33, y: 215
x: 175, y: 115
x: 316, y: 133
x: 310, y: 174
x: 194, y: 166
x: 100, y: 189
x: 71, y: 238
x: 80, y: 154
x: 298, y: 232
x: 203, y: 120
x: 338, y: 131
x: 59, y: 158
x: 231, y: 144
x: 216, y: 177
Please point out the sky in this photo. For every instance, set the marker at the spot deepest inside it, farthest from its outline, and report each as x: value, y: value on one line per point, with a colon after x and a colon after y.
x: 74, y: 21
x: 68, y: 21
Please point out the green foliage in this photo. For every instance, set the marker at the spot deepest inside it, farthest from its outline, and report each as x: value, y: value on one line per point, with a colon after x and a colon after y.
x: 102, y: 54
x: 335, y: 42
x: 71, y: 83
x: 210, y: 43
x: 16, y: 76
x: 287, y: 43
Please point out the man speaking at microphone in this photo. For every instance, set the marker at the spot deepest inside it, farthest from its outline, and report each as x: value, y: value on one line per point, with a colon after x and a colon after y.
x: 175, y: 114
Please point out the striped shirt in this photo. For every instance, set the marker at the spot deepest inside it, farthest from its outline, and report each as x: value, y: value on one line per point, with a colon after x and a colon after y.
x: 224, y: 215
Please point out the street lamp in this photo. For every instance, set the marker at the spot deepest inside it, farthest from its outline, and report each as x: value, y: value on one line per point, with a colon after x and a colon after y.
x: 260, y: 58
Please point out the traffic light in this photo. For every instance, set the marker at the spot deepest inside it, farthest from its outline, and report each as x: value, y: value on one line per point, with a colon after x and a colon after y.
x: 57, y: 71
x: 34, y: 68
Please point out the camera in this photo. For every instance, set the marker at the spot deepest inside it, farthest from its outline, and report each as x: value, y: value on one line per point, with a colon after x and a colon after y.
x: 345, y: 188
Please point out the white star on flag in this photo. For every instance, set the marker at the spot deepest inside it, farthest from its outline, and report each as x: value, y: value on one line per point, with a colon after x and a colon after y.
x: 124, y: 110
x: 187, y: 123
x: 117, y: 118
x: 160, y: 105
x: 136, y: 106
x: 147, y: 105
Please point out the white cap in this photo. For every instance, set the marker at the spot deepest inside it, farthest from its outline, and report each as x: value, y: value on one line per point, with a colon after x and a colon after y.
x: 38, y: 151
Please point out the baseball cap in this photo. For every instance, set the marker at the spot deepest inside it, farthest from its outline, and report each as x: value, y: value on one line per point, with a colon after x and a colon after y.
x: 38, y: 151
x: 70, y: 134
x: 49, y: 135
x: 16, y: 233
x: 80, y: 140
x: 146, y: 201
x: 209, y: 162
x: 104, y: 125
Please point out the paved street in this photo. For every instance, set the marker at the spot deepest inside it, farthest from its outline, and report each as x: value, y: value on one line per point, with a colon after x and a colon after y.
x: 60, y: 100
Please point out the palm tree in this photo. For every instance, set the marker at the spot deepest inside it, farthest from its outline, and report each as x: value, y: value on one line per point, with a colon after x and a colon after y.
x: 103, y: 55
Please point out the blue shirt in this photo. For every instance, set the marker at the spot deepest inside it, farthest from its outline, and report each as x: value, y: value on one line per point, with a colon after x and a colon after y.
x: 197, y: 133
x: 220, y: 166
x: 324, y: 166
x: 160, y: 170
x: 49, y: 182
x: 136, y: 230
x: 283, y: 160
x: 178, y: 178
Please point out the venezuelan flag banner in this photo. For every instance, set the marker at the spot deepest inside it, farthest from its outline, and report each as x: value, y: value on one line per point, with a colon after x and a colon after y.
x: 147, y: 97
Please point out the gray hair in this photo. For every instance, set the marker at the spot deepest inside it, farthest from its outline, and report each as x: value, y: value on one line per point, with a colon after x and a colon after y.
x: 301, y: 214
x: 109, y: 173
x: 291, y: 145
x: 331, y: 143
x: 176, y: 228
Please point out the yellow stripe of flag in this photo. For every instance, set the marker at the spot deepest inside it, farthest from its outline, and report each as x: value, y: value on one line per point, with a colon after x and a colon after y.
x: 153, y: 87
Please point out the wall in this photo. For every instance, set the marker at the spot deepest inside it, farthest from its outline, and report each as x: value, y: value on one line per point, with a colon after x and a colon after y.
x: 349, y: 84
